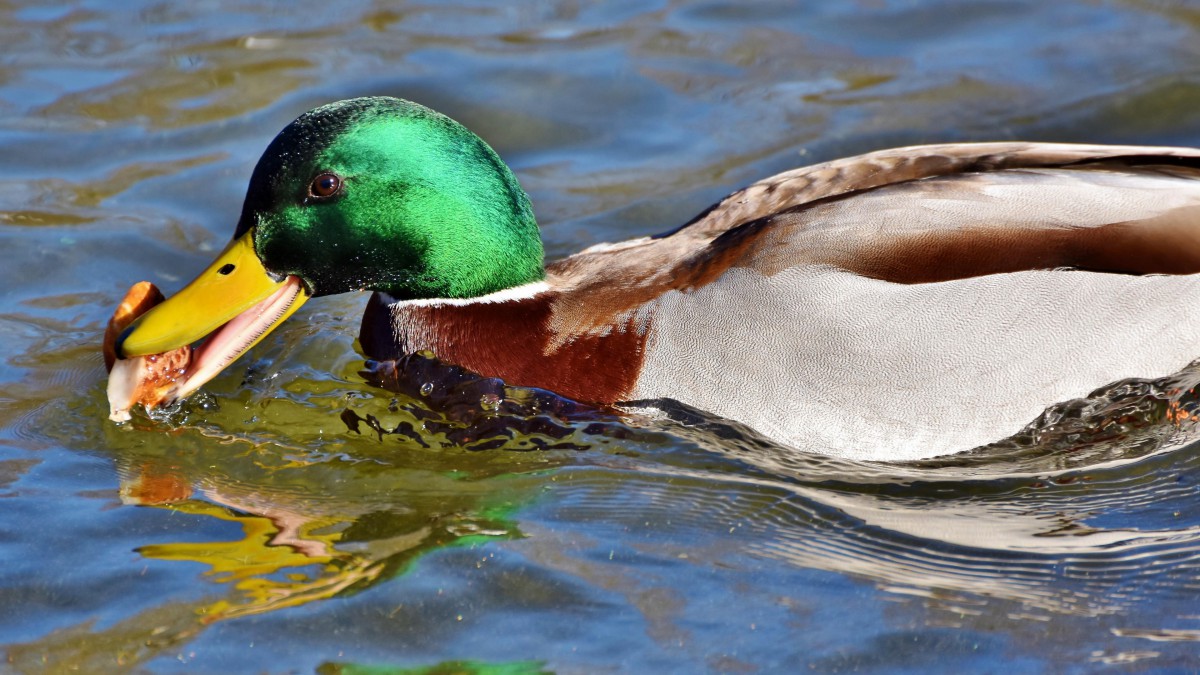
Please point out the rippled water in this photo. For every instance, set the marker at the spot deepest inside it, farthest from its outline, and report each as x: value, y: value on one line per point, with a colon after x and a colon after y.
x: 295, y: 518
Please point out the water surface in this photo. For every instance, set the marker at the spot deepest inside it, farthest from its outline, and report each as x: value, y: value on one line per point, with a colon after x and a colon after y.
x: 272, y: 526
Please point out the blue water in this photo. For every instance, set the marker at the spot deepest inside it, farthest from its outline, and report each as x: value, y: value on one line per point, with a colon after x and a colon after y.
x: 253, y: 531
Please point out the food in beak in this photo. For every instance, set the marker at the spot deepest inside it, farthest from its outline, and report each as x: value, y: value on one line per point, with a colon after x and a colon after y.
x: 152, y: 380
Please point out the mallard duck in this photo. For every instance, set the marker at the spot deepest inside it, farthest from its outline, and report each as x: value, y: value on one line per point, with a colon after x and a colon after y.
x: 899, y: 304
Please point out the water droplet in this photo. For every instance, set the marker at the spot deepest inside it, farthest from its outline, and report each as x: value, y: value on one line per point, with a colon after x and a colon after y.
x: 426, y: 388
x: 489, y: 402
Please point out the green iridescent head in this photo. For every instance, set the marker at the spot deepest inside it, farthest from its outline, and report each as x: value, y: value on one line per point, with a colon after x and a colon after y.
x: 384, y: 194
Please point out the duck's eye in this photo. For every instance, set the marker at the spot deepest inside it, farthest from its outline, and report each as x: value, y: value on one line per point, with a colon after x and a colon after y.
x: 325, y: 185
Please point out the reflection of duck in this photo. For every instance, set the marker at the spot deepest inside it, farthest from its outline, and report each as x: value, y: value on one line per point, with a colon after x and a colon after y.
x: 899, y: 304
x: 307, y: 534
x: 295, y: 549
x: 276, y: 538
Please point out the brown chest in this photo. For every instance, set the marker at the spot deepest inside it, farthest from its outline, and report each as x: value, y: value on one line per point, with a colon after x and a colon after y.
x: 516, y: 341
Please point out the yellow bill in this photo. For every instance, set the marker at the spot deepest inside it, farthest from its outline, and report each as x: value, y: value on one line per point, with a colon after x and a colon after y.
x: 235, y: 302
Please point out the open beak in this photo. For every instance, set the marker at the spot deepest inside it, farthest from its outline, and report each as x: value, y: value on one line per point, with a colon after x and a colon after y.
x: 235, y: 302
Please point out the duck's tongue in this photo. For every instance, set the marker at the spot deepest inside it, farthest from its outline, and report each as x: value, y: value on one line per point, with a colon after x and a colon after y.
x: 224, y: 345
x: 160, y: 379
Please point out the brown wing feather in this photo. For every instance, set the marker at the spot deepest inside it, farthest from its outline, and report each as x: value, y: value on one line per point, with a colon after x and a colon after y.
x: 954, y: 227
x: 846, y: 176
x: 778, y: 209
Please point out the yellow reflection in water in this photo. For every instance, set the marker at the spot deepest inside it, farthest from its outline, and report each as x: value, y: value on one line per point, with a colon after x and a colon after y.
x: 266, y: 549
x: 284, y: 558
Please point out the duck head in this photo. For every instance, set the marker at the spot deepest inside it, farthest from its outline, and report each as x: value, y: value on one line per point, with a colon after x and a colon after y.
x: 364, y: 194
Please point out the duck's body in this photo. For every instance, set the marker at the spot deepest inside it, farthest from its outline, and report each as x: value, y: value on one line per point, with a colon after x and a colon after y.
x: 902, y: 304
x: 896, y: 305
